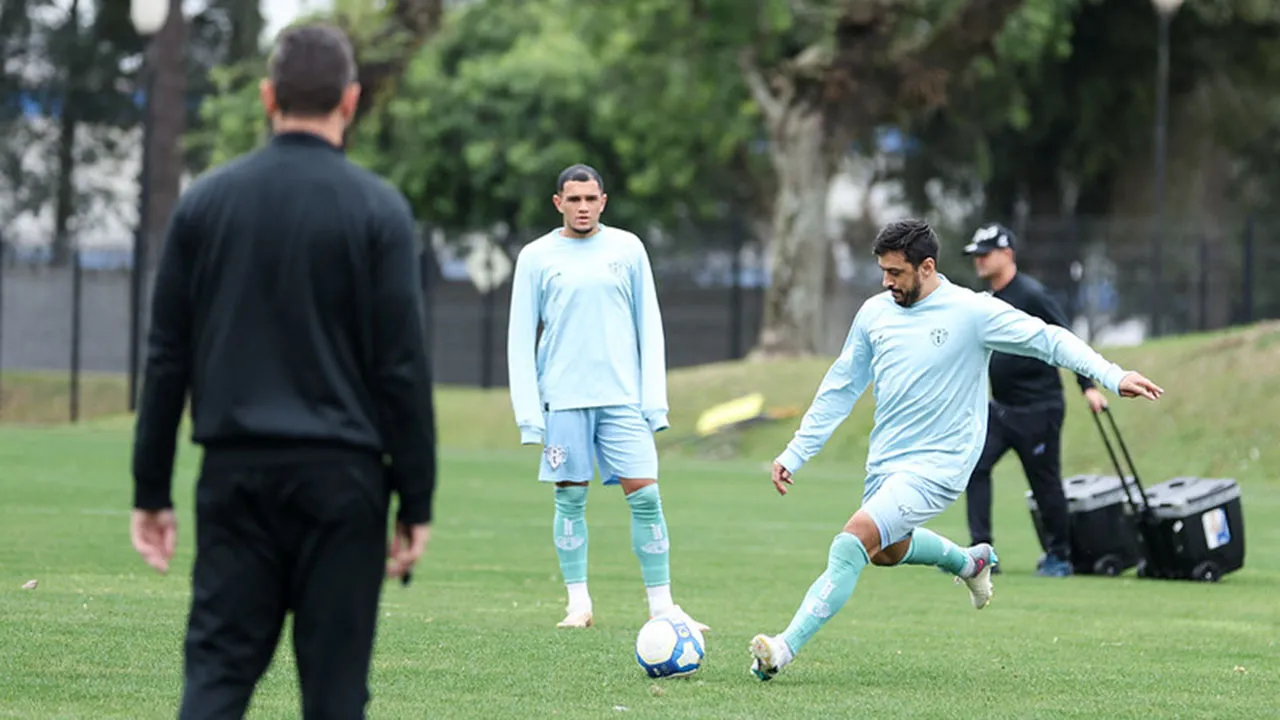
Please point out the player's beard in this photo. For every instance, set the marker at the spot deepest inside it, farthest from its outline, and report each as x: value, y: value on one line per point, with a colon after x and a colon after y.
x: 907, y: 298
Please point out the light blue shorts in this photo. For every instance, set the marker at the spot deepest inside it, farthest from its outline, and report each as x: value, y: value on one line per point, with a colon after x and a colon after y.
x: 901, y: 502
x: 616, y: 437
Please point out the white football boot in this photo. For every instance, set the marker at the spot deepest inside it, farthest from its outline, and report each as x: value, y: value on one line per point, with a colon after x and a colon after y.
x: 980, y: 588
x: 770, y: 654
x: 581, y: 619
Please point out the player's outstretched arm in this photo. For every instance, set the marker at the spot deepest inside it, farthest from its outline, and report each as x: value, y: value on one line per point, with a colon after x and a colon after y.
x: 522, y: 334
x: 1008, y: 329
x: 840, y: 389
x: 653, y: 346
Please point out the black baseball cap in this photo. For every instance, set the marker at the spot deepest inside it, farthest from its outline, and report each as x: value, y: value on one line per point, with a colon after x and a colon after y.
x: 992, y: 236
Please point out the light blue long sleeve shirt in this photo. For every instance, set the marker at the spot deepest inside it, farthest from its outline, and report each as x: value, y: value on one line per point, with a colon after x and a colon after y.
x: 928, y: 365
x: 602, y: 340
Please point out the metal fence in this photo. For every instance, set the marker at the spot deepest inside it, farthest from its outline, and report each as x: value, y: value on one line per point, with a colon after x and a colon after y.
x: 67, y: 329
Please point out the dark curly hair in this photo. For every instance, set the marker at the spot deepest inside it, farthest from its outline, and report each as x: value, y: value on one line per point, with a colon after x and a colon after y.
x: 915, y: 239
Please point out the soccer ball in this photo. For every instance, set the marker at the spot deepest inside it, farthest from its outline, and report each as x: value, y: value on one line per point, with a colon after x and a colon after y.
x: 669, y: 647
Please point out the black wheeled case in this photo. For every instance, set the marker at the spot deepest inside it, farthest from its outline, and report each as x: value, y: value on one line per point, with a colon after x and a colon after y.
x: 1104, y: 536
x: 1191, y: 528
x: 1195, y: 529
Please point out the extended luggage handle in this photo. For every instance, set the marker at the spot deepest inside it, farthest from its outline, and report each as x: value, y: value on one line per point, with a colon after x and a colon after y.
x: 1115, y: 429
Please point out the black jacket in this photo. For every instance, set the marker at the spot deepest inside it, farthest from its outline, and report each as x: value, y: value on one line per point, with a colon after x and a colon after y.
x: 288, y: 305
x: 1022, y: 381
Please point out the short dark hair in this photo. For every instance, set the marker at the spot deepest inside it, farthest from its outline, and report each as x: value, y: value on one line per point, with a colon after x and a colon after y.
x: 578, y: 173
x: 310, y: 67
x: 915, y: 239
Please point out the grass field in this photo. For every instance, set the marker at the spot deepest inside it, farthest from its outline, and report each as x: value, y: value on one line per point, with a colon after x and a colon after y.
x: 473, y: 637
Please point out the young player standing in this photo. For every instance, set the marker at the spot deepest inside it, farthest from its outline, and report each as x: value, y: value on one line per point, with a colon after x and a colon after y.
x: 593, y: 389
x: 925, y: 345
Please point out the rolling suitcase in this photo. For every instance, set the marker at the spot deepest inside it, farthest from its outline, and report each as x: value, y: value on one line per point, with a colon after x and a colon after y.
x: 1191, y: 528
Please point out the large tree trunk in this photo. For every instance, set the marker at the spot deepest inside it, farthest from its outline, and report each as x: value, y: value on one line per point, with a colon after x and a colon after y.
x: 800, y: 147
x: 799, y: 247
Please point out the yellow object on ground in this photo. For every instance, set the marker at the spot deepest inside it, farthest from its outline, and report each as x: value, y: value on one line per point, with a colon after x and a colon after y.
x: 720, y: 416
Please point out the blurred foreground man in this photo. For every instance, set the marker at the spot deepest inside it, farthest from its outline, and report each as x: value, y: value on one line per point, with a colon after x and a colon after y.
x: 288, y: 305
x: 1027, y: 406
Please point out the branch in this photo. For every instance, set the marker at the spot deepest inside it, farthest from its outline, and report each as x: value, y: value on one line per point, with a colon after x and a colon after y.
x: 970, y: 33
x: 771, y: 104
x: 926, y: 74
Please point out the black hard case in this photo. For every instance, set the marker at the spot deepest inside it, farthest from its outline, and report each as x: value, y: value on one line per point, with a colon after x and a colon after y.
x: 1191, y: 528
x: 1104, y: 536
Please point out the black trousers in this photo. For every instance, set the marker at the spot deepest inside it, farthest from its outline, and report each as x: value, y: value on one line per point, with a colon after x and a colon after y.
x: 1035, y: 434
x: 307, y: 538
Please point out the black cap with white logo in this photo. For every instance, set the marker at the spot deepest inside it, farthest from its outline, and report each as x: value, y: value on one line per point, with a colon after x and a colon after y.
x: 992, y: 236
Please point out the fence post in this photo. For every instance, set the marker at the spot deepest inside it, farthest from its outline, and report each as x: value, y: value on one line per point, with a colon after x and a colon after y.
x: 2, y: 272
x: 77, y: 289
x: 737, y: 241
x: 1155, y: 292
x: 1247, y: 268
x: 1204, y: 283
x: 486, y: 338
x: 427, y: 275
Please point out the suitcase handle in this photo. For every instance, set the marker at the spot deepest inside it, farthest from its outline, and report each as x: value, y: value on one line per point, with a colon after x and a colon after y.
x: 1115, y: 429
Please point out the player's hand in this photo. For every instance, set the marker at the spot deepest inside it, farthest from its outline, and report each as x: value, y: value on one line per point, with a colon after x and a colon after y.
x: 1135, y: 385
x: 155, y: 536
x: 1097, y: 401
x: 781, y: 478
x: 408, y: 544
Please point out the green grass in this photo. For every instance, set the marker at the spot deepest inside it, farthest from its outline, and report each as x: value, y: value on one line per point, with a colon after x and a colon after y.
x: 473, y: 637
x: 32, y: 398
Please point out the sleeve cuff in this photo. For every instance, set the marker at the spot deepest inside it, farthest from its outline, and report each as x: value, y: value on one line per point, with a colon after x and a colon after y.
x: 1111, y: 380
x: 530, y: 436
x: 657, y: 421
x: 790, y: 460
x: 415, y: 509
x: 151, y: 496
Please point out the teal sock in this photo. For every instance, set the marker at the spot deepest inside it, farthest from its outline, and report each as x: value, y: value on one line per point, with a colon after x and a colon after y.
x: 930, y: 548
x: 649, y: 536
x: 571, y: 532
x: 829, y: 592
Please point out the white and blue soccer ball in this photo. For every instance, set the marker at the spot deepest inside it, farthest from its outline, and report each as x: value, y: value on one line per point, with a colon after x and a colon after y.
x: 669, y: 647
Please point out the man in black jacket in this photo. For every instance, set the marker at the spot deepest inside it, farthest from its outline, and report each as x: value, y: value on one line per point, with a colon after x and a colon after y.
x: 1027, y: 406
x: 289, y: 307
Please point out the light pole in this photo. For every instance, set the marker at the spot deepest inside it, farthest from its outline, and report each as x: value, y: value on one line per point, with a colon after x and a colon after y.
x: 148, y: 17
x: 1165, y: 10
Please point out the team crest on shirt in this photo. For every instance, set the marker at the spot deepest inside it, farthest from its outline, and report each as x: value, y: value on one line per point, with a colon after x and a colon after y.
x: 938, y: 336
x: 555, y: 456
x: 618, y: 267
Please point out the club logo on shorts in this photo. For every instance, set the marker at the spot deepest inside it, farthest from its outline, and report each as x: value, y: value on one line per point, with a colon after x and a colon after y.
x: 555, y: 456
x: 938, y: 336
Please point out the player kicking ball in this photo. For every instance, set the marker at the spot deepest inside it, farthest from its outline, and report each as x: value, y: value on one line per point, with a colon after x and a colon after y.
x: 594, y: 389
x: 925, y: 345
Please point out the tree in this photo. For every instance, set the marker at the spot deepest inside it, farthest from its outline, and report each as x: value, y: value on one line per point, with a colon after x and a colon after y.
x: 824, y: 74
x: 384, y: 38
x: 522, y: 93
x: 63, y: 107
x: 1079, y: 144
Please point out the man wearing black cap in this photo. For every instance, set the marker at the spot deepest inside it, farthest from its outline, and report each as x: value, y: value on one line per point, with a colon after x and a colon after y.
x: 1027, y: 406
x: 288, y: 306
